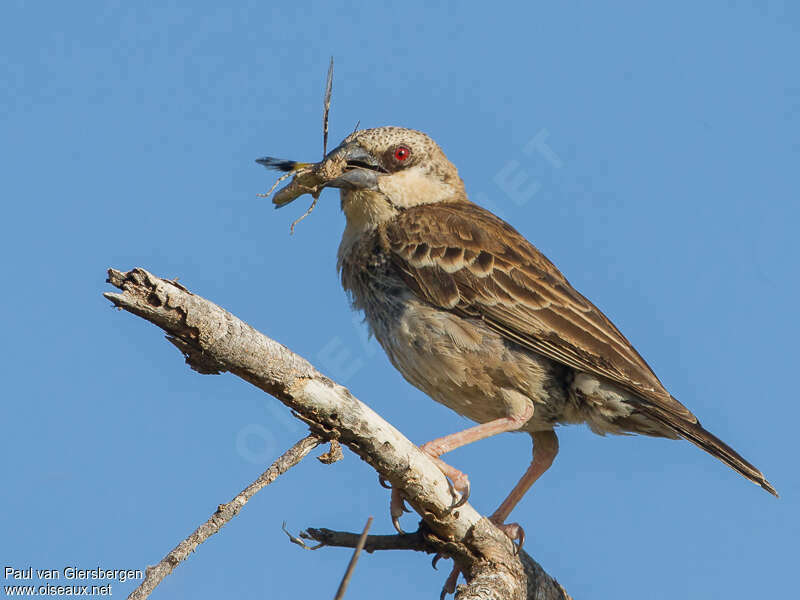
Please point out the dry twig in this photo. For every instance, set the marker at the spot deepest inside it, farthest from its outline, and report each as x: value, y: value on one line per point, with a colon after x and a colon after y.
x: 224, y: 513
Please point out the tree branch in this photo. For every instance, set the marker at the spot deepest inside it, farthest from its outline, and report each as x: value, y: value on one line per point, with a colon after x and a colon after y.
x: 345, y: 539
x: 214, y: 341
x: 224, y: 513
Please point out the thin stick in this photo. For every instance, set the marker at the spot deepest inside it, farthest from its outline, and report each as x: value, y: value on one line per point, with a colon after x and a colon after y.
x: 326, y: 108
x: 349, y: 573
x: 225, y: 512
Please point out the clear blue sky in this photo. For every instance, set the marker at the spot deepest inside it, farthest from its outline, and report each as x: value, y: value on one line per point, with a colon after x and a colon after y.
x: 669, y: 196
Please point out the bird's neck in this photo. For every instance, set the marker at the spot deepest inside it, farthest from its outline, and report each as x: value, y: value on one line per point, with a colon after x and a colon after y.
x: 365, y: 211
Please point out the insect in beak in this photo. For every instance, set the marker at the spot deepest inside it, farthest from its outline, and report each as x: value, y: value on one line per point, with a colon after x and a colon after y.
x: 307, y: 176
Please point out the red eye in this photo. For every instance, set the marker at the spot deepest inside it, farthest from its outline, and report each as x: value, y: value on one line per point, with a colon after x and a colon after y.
x: 401, y: 153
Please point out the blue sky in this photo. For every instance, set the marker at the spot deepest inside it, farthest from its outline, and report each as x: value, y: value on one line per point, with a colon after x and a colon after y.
x: 660, y: 175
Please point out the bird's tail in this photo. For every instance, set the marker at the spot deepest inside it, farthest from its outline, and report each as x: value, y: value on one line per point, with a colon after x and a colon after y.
x: 695, y: 433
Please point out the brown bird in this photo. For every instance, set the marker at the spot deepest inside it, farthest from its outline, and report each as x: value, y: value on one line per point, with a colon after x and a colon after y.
x: 476, y: 317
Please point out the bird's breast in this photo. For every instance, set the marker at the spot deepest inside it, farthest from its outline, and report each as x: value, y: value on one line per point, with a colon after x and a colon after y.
x: 458, y: 362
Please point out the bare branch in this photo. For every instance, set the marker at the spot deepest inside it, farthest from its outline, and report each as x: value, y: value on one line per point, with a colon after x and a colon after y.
x: 224, y: 513
x: 419, y: 542
x: 345, y: 539
x: 213, y: 341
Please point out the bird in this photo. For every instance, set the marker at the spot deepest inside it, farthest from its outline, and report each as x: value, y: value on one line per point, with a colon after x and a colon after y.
x: 476, y: 317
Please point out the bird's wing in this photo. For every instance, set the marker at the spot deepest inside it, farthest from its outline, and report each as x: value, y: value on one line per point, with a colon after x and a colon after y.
x: 462, y: 258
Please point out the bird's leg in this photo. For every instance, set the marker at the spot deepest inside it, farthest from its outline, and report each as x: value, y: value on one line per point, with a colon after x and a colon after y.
x: 458, y: 480
x: 545, y: 448
x: 435, y: 448
x: 439, y: 446
x: 442, y: 445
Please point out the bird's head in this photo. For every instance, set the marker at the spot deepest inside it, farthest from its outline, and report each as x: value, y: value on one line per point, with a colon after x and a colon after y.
x: 385, y: 170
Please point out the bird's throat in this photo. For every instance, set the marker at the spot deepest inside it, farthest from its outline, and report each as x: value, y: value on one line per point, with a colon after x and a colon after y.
x: 365, y: 209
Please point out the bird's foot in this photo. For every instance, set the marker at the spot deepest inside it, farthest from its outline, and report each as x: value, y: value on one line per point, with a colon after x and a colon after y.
x: 459, y: 490
x: 450, y: 583
x: 397, y: 506
x: 449, y: 586
x: 457, y: 481
x: 514, y: 531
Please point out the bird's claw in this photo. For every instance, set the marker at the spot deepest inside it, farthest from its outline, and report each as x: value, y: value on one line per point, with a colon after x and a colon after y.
x: 396, y: 523
x: 397, y: 506
x: 514, y: 532
x: 461, y: 496
x: 385, y: 484
x: 449, y: 586
x: 457, y: 483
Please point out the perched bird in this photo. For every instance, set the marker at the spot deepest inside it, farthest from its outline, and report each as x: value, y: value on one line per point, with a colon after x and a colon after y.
x: 476, y: 317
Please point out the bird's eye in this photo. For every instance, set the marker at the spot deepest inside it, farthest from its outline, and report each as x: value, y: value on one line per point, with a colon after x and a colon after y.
x: 402, y: 153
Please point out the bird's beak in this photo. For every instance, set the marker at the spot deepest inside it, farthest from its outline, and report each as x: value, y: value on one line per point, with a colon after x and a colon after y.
x: 361, y: 168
